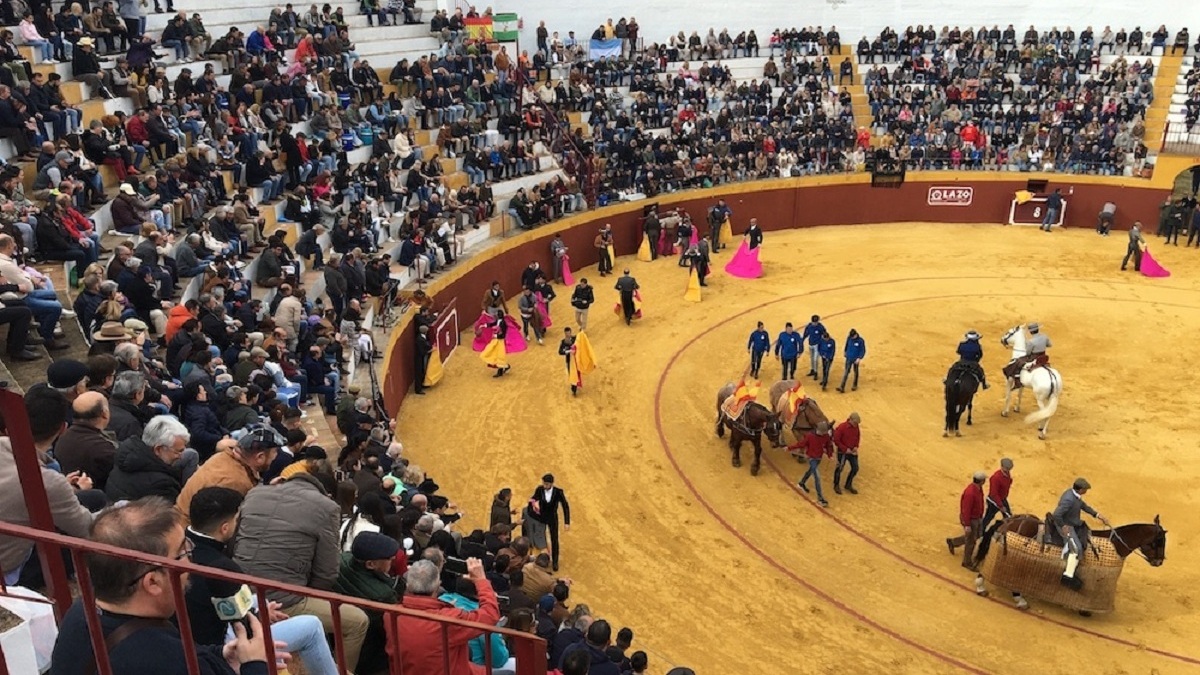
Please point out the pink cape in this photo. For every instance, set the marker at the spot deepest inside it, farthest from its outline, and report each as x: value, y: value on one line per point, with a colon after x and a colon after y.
x: 695, y: 240
x: 568, y: 278
x: 744, y: 264
x: 1151, y: 268
x: 513, y: 342
x: 543, y: 310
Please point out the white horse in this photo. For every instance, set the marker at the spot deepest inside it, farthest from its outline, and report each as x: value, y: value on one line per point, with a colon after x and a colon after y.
x: 1046, y: 383
x: 1015, y: 339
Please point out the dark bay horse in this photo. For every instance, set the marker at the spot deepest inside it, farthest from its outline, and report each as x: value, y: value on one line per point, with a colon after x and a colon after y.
x: 1149, y: 540
x: 961, y: 385
x: 754, y: 420
x: 808, y: 414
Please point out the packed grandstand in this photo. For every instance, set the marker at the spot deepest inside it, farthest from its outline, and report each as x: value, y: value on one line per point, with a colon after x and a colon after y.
x: 210, y: 216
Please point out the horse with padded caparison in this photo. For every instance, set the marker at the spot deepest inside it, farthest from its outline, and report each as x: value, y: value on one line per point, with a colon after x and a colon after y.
x: 808, y: 414
x: 1148, y: 540
x: 750, y: 424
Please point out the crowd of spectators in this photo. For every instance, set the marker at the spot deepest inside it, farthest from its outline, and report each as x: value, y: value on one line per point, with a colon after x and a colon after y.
x: 987, y: 99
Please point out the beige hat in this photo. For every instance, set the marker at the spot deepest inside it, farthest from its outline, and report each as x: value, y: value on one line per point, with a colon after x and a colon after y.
x: 111, y: 331
x: 85, y: 42
x: 135, y: 325
x: 257, y: 352
x: 125, y: 187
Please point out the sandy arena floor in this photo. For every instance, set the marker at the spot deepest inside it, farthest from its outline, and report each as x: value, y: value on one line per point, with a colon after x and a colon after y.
x: 728, y: 573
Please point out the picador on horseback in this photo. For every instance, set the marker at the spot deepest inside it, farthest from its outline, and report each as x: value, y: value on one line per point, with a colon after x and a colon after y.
x: 970, y: 354
x: 1074, y: 531
x: 1034, y: 355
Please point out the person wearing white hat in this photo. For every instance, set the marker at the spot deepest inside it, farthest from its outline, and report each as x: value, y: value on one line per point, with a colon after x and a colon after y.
x: 85, y: 67
x: 970, y: 353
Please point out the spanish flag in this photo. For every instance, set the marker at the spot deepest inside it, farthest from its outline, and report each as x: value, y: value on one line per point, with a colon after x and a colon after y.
x: 434, y: 371
x: 795, y: 396
x: 583, y: 361
x: 693, y: 287
x: 643, y: 253
x: 744, y: 391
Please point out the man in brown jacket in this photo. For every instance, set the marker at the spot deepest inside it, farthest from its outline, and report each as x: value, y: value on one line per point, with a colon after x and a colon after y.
x: 237, y: 465
x: 83, y: 446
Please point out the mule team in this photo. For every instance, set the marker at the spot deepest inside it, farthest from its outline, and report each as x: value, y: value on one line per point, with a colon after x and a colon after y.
x: 787, y: 406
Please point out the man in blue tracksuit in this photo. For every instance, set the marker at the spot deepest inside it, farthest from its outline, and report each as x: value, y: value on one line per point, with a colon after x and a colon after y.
x: 827, y: 348
x: 855, y: 351
x: 759, y: 344
x: 788, y: 346
x: 813, y: 332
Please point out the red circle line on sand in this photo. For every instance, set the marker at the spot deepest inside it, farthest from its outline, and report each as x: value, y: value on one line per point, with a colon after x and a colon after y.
x: 766, y: 557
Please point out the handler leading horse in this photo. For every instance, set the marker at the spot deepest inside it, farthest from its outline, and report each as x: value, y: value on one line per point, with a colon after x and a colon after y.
x: 748, y: 425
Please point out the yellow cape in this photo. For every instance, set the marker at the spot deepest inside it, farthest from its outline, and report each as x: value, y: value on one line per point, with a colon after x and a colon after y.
x: 583, y: 362
x: 612, y: 255
x: 434, y: 371
x: 1023, y: 196
x: 495, y: 354
x: 726, y: 234
x: 643, y: 253
x: 693, y: 287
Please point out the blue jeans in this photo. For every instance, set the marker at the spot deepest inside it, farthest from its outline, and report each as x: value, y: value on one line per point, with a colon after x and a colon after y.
x: 814, y: 358
x: 1050, y: 218
x: 44, y: 305
x: 813, y: 466
x: 180, y: 47
x: 305, y: 639
x: 45, y: 46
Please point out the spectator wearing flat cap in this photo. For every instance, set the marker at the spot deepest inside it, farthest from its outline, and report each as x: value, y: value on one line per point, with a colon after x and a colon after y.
x: 69, y: 377
x: 366, y: 572
x: 236, y: 464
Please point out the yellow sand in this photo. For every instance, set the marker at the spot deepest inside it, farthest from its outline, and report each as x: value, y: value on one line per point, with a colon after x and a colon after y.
x: 807, y: 594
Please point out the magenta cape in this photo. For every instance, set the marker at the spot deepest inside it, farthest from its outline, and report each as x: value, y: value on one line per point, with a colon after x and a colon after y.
x: 666, y: 245
x: 568, y: 278
x: 1151, y: 268
x: 543, y: 311
x: 744, y: 263
x: 513, y: 341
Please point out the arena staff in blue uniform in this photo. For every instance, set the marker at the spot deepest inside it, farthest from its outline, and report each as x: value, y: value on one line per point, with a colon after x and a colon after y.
x: 855, y: 351
x: 759, y: 344
x: 827, y: 348
x: 970, y: 353
x: 813, y: 332
x: 787, y: 349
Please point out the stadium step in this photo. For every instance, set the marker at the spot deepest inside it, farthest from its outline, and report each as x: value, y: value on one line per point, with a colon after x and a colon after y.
x: 1165, y: 77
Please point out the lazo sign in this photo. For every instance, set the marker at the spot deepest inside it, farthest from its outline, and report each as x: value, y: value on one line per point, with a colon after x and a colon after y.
x: 950, y: 196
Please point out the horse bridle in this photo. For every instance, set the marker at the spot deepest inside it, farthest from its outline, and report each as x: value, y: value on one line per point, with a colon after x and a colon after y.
x: 1112, y: 535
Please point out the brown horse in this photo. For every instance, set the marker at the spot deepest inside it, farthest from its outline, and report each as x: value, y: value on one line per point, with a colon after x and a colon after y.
x: 754, y: 420
x: 1149, y: 540
x: 808, y: 414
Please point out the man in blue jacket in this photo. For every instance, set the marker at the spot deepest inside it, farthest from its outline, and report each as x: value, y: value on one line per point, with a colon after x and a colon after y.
x: 827, y: 348
x: 970, y: 353
x: 813, y: 332
x: 759, y: 344
x: 787, y: 349
x: 855, y: 351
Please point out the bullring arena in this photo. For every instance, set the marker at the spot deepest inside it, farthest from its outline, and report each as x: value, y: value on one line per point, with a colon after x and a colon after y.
x: 725, y: 568
x: 320, y: 202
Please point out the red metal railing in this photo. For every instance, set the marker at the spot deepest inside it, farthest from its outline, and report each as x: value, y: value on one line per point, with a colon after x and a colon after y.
x: 529, y: 650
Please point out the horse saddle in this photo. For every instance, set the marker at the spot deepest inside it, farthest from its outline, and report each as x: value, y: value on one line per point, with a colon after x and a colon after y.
x: 1051, y: 536
x: 733, y: 407
x: 1014, y: 367
x: 962, y: 369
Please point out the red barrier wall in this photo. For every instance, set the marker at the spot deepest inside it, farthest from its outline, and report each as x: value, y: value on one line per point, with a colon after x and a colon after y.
x: 778, y: 205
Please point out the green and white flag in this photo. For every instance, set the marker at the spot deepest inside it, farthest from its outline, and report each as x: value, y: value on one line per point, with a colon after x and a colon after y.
x: 504, y: 27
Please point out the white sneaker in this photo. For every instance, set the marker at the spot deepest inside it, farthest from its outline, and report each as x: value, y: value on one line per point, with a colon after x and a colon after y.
x: 68, y: 313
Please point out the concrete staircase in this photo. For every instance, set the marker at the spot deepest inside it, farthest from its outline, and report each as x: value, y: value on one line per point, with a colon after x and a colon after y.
x: 1165, y: 77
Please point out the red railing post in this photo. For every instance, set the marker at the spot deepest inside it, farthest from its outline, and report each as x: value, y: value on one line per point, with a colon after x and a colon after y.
x: 264, y: 615
x: 95, y: 630
x: 339, y: 643
x: 185, y: 622
x: 29, y: 468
